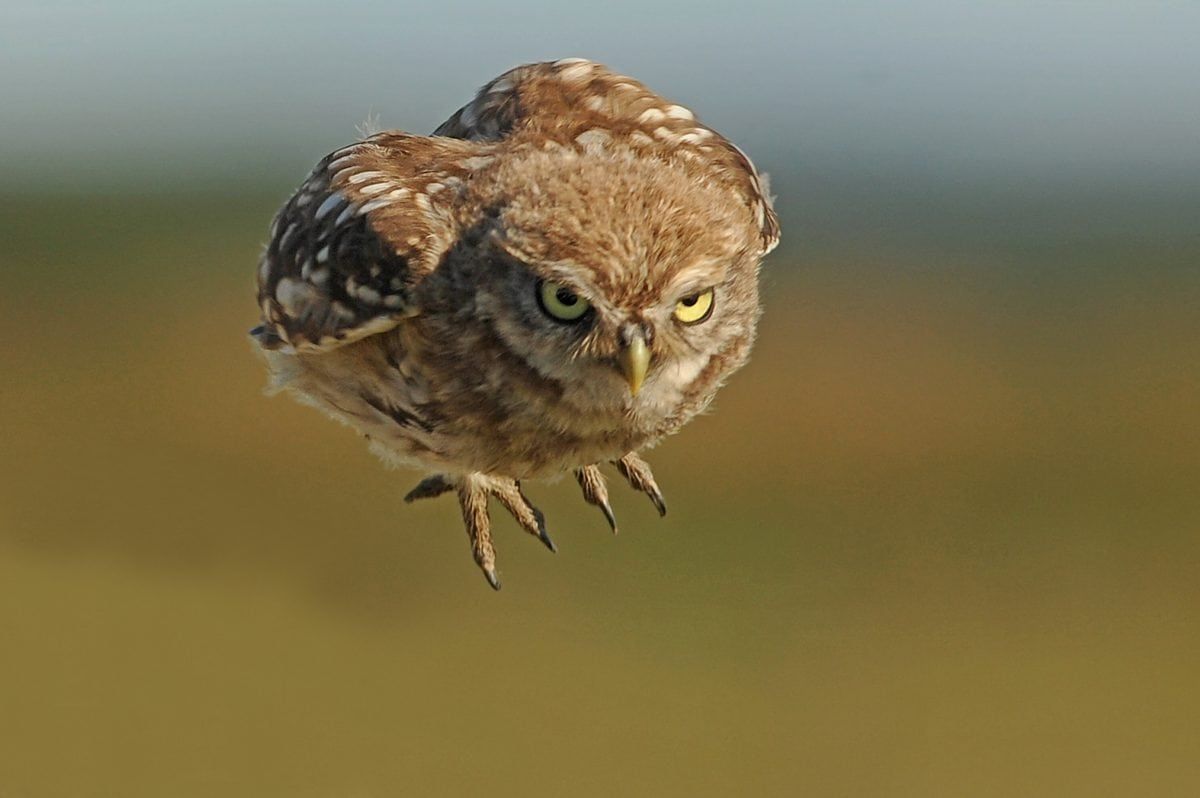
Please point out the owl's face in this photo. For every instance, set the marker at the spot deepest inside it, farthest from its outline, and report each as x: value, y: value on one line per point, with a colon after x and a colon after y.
x: 634, y: 289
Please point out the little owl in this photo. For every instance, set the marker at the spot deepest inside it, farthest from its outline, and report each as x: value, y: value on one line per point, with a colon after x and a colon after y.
x: 561, y: 275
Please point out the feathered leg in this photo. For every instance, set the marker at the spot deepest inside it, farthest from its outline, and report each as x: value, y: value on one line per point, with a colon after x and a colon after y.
x: 473, y: 493
x: 595, y: 491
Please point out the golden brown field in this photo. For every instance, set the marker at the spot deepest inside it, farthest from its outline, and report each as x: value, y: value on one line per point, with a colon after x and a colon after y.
x: 939, y: 538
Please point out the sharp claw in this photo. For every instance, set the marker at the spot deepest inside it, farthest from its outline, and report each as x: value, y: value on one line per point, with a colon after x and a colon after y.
x: 529, y: 517
x: 637, y: 472
x: 541, y: 527
x: 591, y: 481
x: 429, y: 488
x: 606, y: 508
x: 472, y: 499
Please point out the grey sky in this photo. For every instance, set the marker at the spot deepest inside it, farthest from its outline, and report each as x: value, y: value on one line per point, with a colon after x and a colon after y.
x: 90, y: 88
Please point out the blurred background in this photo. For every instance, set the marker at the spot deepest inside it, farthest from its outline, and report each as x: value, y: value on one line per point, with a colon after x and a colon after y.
x: 938, y: 538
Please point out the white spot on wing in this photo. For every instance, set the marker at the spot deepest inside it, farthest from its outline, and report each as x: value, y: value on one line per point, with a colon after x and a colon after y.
x: 469, y: 116
x: 500, y: 86
x: 288, y: 235
x: 368, y: 294
x: 294, y: 295
x: 334, y: 200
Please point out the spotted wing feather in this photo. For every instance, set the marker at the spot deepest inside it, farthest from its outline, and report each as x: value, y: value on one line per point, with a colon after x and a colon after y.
x: 350, y: 245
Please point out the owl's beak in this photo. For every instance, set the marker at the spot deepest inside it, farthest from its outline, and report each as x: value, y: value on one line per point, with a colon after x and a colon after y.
x: 635, y: 360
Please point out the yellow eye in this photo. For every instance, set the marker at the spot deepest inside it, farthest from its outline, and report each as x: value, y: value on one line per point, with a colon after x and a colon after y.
x: 561, y: 302
x: 694, y: 308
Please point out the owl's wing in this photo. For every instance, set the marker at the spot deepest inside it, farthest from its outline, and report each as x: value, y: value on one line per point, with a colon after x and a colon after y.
x: 349, y: 246
x: 580, y: 101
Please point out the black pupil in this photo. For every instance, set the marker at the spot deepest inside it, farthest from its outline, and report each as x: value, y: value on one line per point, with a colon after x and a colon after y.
x: 690, y: 300
x: 566, y: 296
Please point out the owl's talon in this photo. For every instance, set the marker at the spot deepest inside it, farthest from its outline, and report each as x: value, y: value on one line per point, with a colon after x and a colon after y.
x: 637, y: 472
x: 429, y: 488
x: 542, y: 536
x: 472, y: 500
x: 595, y: 492
x: 529, y: 517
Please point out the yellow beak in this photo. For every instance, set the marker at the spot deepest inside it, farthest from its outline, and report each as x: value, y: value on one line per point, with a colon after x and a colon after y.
x: 635, y: 360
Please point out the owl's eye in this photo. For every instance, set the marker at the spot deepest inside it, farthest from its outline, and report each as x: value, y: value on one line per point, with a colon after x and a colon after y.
x: 695, y: 308
x: 560, y: 302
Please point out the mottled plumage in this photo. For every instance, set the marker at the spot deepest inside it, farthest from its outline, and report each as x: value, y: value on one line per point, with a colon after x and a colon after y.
x: 565, y: 272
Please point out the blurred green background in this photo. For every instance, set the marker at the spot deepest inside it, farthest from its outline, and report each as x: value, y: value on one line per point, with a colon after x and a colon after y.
x: 938, y: 538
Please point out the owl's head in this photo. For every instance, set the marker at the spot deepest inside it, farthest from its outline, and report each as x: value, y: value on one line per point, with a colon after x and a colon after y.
x: 630, y: 281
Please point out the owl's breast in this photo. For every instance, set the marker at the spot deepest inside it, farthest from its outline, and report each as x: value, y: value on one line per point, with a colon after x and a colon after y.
x: 526, y: 426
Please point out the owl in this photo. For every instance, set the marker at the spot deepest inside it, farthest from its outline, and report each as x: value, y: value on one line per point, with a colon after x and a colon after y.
x: 564, y: 273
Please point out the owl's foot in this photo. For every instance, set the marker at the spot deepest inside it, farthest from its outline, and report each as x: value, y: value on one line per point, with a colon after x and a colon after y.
x: 637, y: 472
x: 595, y: 491
x: 473, y: 493
x: 634, y: 469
